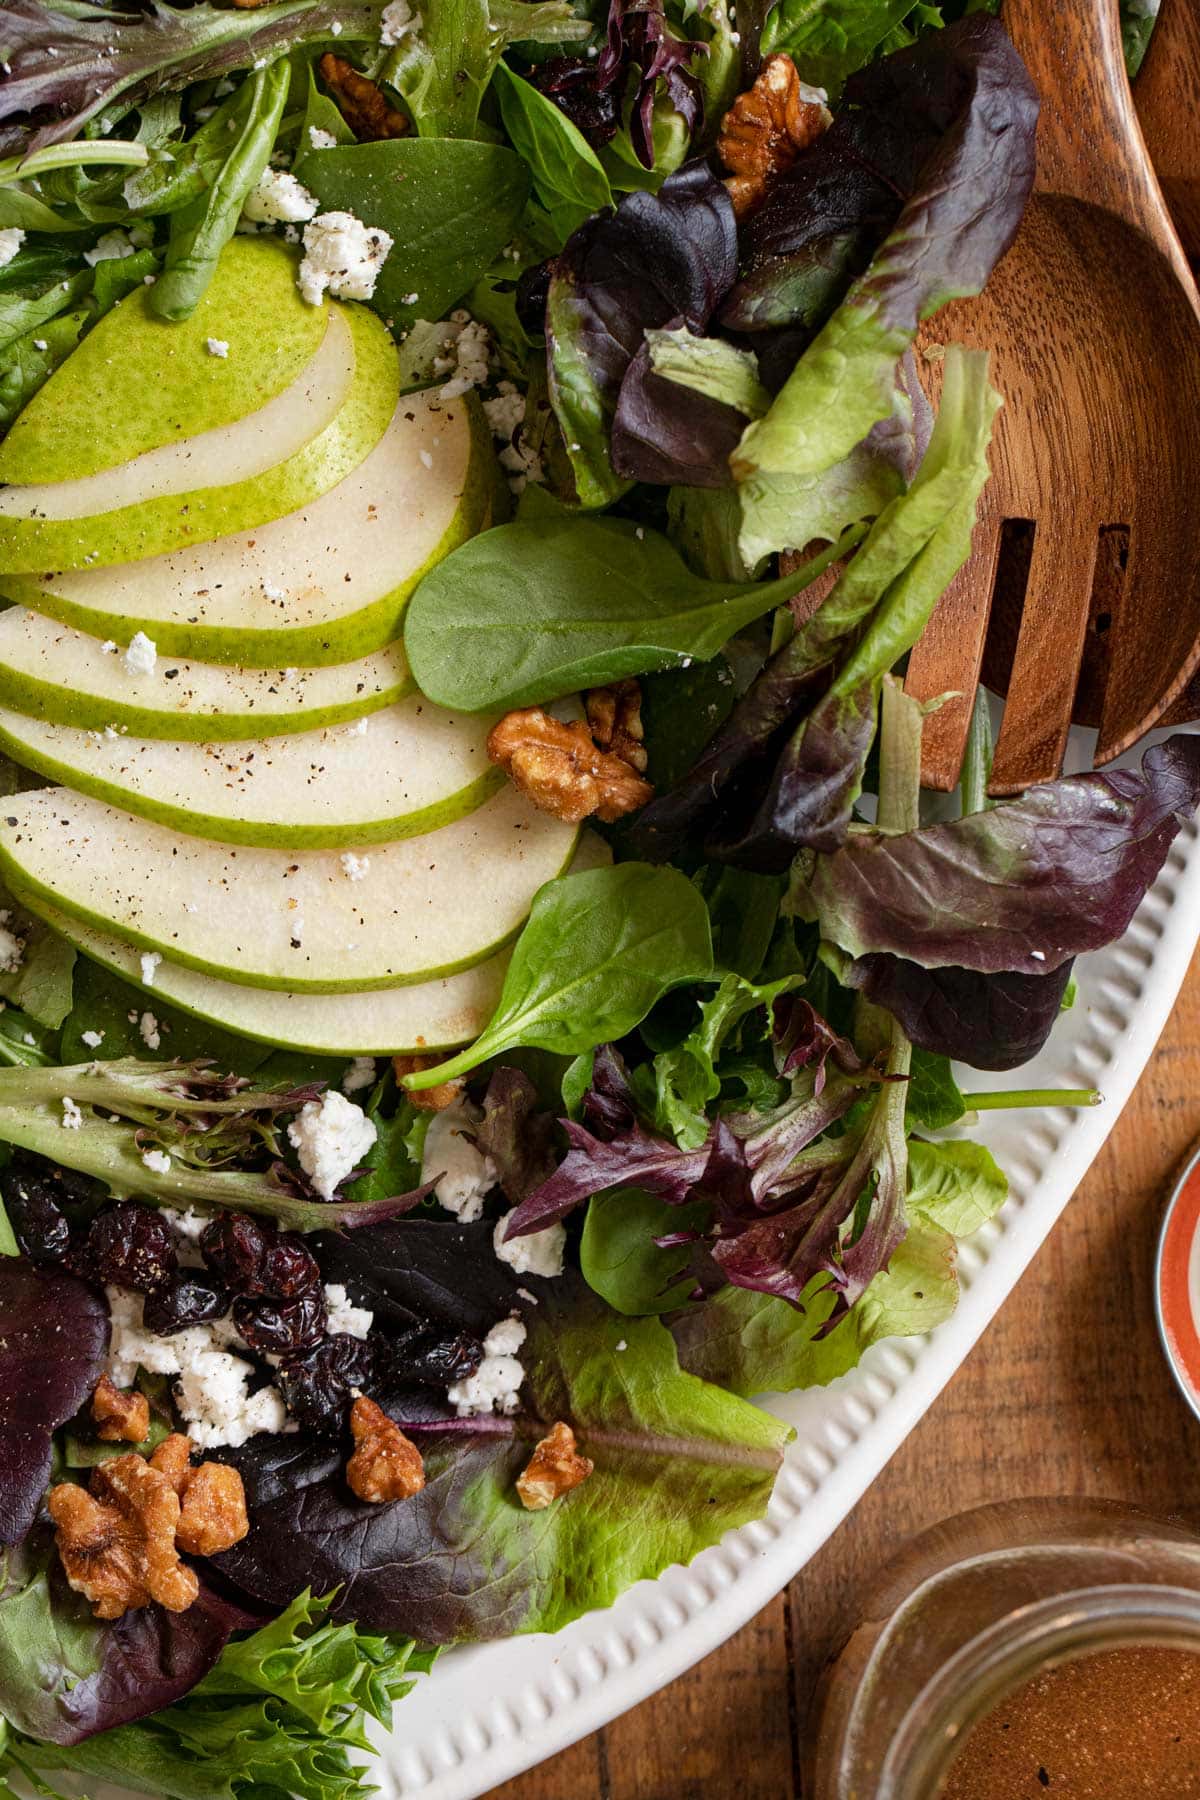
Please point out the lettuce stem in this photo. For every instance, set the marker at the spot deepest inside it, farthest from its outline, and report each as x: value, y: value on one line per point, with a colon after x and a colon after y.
x: 1007, y: 1098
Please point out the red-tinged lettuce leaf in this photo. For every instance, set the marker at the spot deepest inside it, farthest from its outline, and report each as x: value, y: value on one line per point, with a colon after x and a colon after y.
x: 670, y: 434
x: 677, y: 1463
x: 65, y: 65
x: 642, y: 49
x: 53, y: 1338
x: 1021, y: 888
x: 65, y: 1675
x: 987, y: 1021
x: 516, y: 1133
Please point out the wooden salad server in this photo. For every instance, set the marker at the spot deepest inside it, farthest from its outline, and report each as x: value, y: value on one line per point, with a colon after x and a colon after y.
x: 1093, y: 321
x: 1167, y: 96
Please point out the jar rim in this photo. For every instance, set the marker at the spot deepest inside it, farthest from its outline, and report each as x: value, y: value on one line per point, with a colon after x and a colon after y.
x: 1011, y: 1651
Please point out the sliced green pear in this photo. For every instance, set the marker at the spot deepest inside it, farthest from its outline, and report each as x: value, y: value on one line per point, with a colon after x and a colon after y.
x: 429, y: 1015
x: 31, y: 537
x: 404, y: 772
x: 312, y: 920
x: 53, y: 672
x: 325, y: 584
x: 136, y: 382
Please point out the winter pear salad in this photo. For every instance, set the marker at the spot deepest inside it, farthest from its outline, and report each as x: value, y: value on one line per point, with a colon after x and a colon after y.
x: 483, y: 990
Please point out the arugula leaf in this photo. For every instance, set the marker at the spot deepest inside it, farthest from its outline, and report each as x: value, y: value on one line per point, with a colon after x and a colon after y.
x: 621, y: 1260
x: 677, y: 1462
x: 568, y: 178
x: 449, y: 204
x: 687, y: 1077
x: 530, y: 611
x: 598, y: 950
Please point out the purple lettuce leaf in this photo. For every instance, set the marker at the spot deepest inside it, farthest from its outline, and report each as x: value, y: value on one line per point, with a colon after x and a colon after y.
x: 667, y: 433
x: 640, y: 43
x: 516, y: 1133
x: 65, y: 1675
x: 53, y: 1338
x: 1021, y: 888
x: 994, y: 1021
x: 62, y: 67
x: 676, y: 1463
x: 802, y: 1039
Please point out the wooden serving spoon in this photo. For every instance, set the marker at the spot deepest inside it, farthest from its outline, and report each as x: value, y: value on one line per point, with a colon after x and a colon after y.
x: 1094, y: 324
x: 1167, y: 95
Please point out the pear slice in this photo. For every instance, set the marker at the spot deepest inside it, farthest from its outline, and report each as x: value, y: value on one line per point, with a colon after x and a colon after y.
x: 136, y: 383
x: 33, y: 538
x: 408, y: 770
x: 53, y: 672
x: 324, y: 584
x: 424, y: 907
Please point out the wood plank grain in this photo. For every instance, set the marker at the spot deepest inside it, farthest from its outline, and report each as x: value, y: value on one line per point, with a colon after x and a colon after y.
x: 1067, y: 1393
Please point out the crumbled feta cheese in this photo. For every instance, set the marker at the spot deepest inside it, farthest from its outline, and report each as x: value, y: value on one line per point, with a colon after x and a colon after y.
x: 188, y: 1225
x: 621, y: 1344
x: 342, y: 1316
x: 540, y: 1253
x: 396, y: 21
x: 11, y: 239
x: 343, y: 256
x: 463, y: 1175
x: 41, y: 343
x: 211, y: 1390
x: 472, y: 347
x: 355, y: 868
x: 506, y: 411
x: 141, y: 655
x: 321, y: 140
x: 157, y: 1161
x: 217, y: 347
x: 93, y: 1039
x: 110, y: 248
x: 279, y: 199
x: 72, y: 1118
x: 148, y: 1027
x: 360, y: 1074
x: 331, y: 1136
x: 150, y: 960
x: 496, y: 1383
x: 12, y: 948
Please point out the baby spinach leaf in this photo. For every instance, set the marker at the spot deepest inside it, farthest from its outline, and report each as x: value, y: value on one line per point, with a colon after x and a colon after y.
x: 31, y: 359
x: 567, y: 176
x: 598, y: 950
x: 677, y: 1463
x: 933, y: 1100
x: 620, y: 1259
x: 447, y: 56
x: 449, y: 204
x: 540, y: 608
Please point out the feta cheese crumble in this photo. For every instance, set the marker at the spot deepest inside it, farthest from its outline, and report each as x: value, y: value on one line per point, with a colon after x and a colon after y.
x: 12, y: 948
x: 157, y: 1161
x: 342, y: 256
x: 341, y: 1314
x: 359, y: 1074
x: 11, y: 239
x: 72, y: 1118
x: 396, y: 21
x: 330, y: 1136
x: 217, y: 347
x: 150, y: 960
x: 320, y: 139
x: 463, y: 1176
x: 355, y: 868
x: 211, y: 1389
x: 93, y: 1039
x: 540, y: 1253
x: 279, y: 199
x: 150, y: 1034
x: 496, y: 1383
x: 141, y: 655
x: 472, y: 349
x: 110, y: 248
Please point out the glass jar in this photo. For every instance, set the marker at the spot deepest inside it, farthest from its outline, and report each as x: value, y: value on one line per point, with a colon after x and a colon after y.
x: 974, y: 1609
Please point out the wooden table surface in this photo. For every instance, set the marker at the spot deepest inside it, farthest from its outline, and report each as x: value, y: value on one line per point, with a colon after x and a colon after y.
x: 1067, y: 1393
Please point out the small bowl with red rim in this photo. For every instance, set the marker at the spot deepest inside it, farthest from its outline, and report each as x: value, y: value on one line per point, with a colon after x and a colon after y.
x: 1177, y: 1281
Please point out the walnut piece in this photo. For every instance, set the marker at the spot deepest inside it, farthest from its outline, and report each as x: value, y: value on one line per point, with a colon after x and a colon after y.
x: 553, y: 1470
x: 117, y: 1542
x: 562, y: 770
x: 434, y: 1099
x: 366, y: 108
x: 765, y: 130
x: 121, y: 1418
x: 614, y: 716
x: 173, y: 1458
x: 385, y: 1465
x: 212, y: 1514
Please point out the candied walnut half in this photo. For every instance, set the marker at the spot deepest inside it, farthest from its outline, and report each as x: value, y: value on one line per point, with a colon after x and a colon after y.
x: 562, y: 770
x: 385, y: 1465
x: 434, y: 1099
x: 614, y: 716
x: 173, y: 1458
x: 364, y: 106
x: 212, y: 1511
x: 765, y: 130
x: 121, y: 1418
x: 553, y: 1470
x: 117, y: 1542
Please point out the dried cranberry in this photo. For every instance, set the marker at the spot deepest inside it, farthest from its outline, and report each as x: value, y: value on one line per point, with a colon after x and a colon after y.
x: 289, y: 1267
x: 316, y: 1383
x: 37, y: 1219
x: 275, y: 1327
x: 130, y: 1246
x: 433, y: 1358
x: 235, y: 1246
x: 184, y: 1300
x: 580, y: 91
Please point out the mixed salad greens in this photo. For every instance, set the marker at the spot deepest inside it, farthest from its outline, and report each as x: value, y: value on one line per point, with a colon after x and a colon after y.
x: 698, y: 1149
